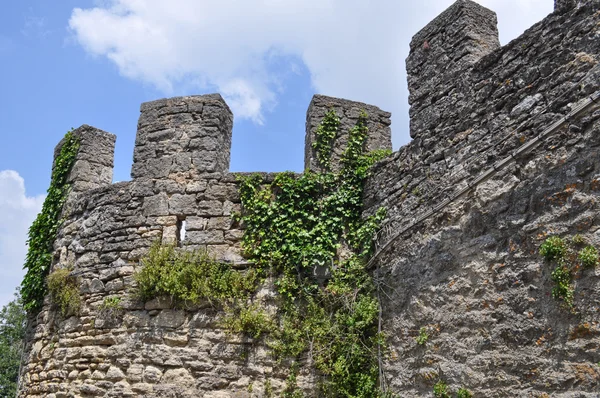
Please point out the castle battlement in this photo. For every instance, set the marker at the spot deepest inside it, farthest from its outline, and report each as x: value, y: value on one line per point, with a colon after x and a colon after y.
x: 470, y: 274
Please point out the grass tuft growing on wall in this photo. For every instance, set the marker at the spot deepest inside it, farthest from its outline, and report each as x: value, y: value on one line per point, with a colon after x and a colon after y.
x: 64, y: 292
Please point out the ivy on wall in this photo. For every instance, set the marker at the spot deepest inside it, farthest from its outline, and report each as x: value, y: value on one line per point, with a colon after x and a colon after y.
x: 298, y: 230
x: 325, y: 135
x: 42, y: 232
x: 306, y: 234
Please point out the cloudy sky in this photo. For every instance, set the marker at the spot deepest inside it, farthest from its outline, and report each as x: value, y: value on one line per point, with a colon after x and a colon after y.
x: 72, y: 62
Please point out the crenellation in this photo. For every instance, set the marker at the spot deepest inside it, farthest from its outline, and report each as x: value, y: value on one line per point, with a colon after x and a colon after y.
x: 183, y: 138
x: 470, y: 275
x: 440, y: 58
x: 567, y: 5
x: 378, y: 123
x: 93, y: 167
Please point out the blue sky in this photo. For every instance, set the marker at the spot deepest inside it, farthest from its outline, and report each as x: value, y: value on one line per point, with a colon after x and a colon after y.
x: 72, y: 62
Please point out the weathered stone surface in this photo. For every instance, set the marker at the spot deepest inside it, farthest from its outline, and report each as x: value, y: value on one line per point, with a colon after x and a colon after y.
x: 183, y: 135
x: 152, y: 374
x: 182, y: 204
x: 93, y: 167
x: 170, y: 318
x: 115, y: 374
x: 179, y: 377
x: 378, y: 123
x: 156, y: 205
x: 440, y: 54
x: 470, y: 275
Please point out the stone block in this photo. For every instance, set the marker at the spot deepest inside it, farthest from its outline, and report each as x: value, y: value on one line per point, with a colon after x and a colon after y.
x: 204, y: 237
x: 182, y: 204
x: 115, y: 374
x: 176, y: 339
x: 209, y: 208
x: 152, y: 374
x: 159, y: 303
x: 378, y: 122
x: 219, y: 223
x: 156, y: 205
x: 170, y: 319
x: 196, y: 223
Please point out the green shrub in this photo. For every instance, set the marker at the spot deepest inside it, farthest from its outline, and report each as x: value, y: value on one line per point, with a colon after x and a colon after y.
x: 423, y: 336
x: 111, y: 303
x: 297, y: 225
x: 568, y: 261
x: 268, y: 389
x: 324, y: 136
x: 64, y: 291
x: 111, y: 307
x: 440, y: 390
x: 251, y: 320
x: 588, y: 256
x: 578, y: 240
x: 463, y: 393
x: 190, y: 276
x: 13, y: 320
x: 553, y: 248
x: 563, y: 290
x: 291, y: 386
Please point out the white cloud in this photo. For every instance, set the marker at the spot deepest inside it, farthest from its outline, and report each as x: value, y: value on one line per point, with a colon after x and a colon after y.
x: 17, y: 212
x: 353, y: 49
x: 35, y: 26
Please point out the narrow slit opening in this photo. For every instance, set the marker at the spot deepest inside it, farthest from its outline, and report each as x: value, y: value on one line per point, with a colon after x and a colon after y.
x: 180, y: 231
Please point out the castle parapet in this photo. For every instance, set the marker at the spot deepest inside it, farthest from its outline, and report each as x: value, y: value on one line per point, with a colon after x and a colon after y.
x: 93, y: 167
x: 442, y: 53
x: 183, y: 138
x: 378, y: 123
x: 566, y: 5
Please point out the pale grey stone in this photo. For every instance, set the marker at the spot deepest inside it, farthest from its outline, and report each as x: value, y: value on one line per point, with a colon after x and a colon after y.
x: 152, y: 374
x: 115, y: 374
x: 170, y: 318
x: 96, y: 286
x: 156, y: 205
x: 204, y: 237
x: 182, y: 204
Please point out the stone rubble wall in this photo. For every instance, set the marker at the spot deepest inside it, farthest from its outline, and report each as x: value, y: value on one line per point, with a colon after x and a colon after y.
x: 378, y: 123
x: 183, y: 138
x: 440, y: 54
x: 180, y: 173
x: 471, y: 275
x: 503, y: 100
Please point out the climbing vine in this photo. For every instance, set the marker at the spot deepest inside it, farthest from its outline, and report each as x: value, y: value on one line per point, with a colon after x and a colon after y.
x: 306, y: 232
x: 42, y: 232
x: 324, y: 137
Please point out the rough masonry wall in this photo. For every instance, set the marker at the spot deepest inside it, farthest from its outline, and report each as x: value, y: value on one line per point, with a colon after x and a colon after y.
x: 180, y: 177
x: 147, y: 349
x: 471, y: 274
x: 378, y: 123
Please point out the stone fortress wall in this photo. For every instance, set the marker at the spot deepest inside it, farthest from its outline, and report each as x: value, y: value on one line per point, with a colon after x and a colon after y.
x: 470, y: 275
